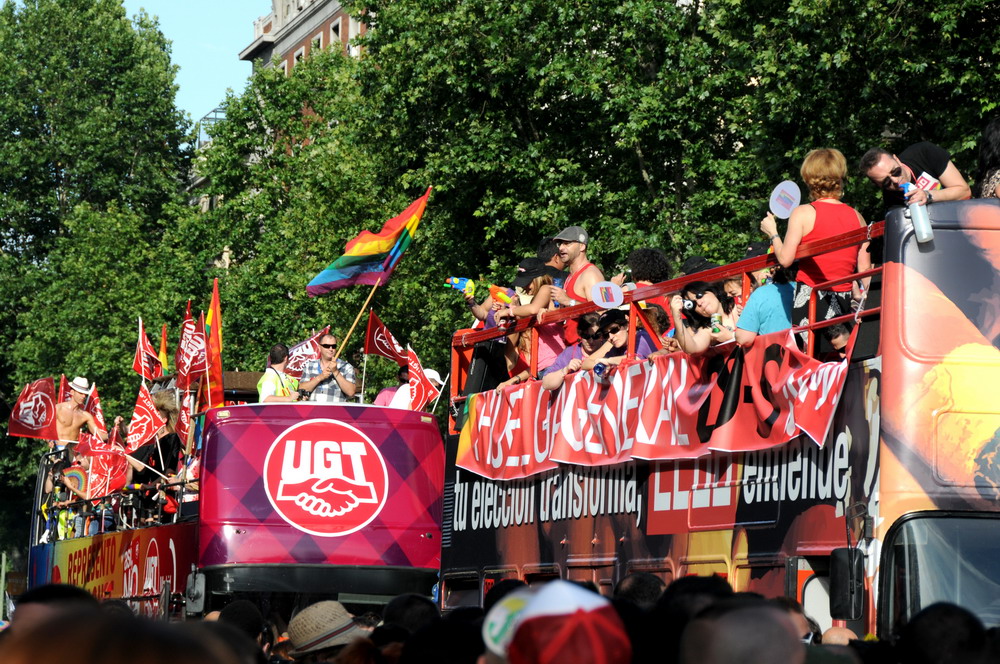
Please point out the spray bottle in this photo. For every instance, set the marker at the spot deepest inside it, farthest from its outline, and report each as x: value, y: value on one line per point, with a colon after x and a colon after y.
x: 918, y: 215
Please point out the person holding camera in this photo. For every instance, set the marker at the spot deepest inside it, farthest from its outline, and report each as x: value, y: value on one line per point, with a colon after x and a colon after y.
x: 329, y: 378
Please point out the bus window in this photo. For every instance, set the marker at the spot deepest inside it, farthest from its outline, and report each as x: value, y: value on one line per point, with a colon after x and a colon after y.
x: 943, y: 558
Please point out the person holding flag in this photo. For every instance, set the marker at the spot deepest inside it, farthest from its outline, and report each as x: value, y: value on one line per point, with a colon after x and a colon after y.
x: 329, y: 378
x: 71, y: 416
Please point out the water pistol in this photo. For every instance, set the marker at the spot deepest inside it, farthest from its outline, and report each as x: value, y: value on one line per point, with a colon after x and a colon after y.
x: 467, y: 286
x: 499, y: 294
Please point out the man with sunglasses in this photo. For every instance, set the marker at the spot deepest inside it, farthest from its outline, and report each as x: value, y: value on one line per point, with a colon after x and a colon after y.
x: 326, y: 379
x: 572, y: 242
x: 925, y: 165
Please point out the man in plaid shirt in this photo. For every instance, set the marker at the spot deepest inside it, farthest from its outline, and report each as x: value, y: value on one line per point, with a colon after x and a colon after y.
x: 328, y: 380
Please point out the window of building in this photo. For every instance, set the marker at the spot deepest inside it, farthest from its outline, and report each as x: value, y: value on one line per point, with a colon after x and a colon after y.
x: 317, y: 41
x: 284, y: 67
x: 353, y: 30
x: 300, y: 55
x: 335, y: 32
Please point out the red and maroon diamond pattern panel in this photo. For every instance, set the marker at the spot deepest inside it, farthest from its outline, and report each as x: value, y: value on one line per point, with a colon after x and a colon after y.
x: 303, y: 484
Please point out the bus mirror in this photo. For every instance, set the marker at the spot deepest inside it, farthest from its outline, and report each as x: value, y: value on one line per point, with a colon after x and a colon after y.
x: 847, y: 584
x: 195, y: 593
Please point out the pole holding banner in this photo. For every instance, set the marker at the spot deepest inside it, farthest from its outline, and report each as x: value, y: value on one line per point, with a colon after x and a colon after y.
x: 343, y: 342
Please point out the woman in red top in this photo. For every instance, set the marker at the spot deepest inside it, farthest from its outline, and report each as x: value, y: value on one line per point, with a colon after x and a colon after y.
x: 823, y: 171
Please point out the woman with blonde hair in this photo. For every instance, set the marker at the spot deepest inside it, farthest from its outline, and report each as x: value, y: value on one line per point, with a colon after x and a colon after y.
x: 826, y: 215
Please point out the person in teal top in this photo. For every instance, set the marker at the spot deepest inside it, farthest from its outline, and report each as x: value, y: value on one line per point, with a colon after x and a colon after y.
x: 768, y: 310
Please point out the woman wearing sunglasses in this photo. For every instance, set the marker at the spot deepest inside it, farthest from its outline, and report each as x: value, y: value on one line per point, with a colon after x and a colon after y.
x: 572, y: 357
x: 710, y: 320
x: 614, y: 324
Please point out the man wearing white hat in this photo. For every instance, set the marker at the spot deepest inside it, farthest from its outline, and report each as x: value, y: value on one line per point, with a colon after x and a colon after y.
x: 71, y: 417
x: 320, y: 631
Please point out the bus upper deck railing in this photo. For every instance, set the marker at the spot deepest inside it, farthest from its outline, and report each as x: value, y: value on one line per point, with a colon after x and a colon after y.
x: 466, y: 339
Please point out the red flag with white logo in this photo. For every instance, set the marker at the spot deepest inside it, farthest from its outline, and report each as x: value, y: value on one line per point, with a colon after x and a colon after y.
x: 108, y: 469
x: 146, y: 362
x: 379, y: 341
x: 184, y: 418
x: 63, y: 388
x: 34, y: 412
x: 146, y: 421
x: 93, y: 406
x: 302, y: 352
x: 191, y: 359
x: 421, y: 388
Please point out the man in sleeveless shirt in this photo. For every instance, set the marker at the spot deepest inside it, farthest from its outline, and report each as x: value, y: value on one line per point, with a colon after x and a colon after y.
x: 572, y: 242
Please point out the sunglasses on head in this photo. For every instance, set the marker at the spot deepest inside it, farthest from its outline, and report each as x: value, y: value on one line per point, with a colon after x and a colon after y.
x: 328, y: 345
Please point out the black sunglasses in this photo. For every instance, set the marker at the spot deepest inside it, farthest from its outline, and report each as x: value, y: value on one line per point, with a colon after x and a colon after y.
x: 894, y: 173
x: 614, y: 329
x: 328, y: 345
x: 594, y: 336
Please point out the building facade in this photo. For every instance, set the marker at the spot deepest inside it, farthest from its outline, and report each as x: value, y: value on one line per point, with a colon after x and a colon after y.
x: 295, y: 28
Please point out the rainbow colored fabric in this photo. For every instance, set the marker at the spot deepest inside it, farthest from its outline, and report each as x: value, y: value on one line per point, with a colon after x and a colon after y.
x: 372, y: 256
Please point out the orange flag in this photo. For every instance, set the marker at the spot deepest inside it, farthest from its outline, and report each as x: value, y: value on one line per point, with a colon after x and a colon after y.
x: 213, y: 334
x: 163, y: 349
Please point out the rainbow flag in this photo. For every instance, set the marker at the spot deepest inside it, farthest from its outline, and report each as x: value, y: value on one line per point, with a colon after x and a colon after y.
x: 372, y: 256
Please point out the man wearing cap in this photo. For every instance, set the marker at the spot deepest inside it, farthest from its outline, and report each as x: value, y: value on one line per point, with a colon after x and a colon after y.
x: 572, y: 242
x: 71, y: 417
x: 328, y: 379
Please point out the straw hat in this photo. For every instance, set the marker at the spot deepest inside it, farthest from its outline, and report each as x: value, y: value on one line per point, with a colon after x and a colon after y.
x: 80, y: 384
x: 322, y: 625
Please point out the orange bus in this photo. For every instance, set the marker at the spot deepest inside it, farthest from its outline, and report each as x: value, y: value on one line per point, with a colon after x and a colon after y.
x: 866, y: 488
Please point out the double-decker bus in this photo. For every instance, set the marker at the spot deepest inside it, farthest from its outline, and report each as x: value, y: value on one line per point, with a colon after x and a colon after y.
x: 866, y: 488
x: 295, y: 503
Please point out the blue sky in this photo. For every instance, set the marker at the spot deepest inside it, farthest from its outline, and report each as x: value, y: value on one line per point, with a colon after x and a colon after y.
x: 207, y: 37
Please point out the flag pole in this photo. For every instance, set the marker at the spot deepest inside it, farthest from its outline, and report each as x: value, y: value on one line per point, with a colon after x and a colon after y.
x: 364, y: 375
x: 343, y: 342
x: 440, y: 392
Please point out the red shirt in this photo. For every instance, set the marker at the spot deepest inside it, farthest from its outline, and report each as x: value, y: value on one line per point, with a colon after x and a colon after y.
x: 831, y: 219
x: 570, y: 287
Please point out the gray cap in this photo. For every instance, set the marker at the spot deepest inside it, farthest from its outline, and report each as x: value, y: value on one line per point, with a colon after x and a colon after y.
x: 573, y: 234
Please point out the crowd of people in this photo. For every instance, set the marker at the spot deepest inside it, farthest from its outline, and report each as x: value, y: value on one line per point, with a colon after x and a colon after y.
x: 704, y: 314
x: 694, y: 620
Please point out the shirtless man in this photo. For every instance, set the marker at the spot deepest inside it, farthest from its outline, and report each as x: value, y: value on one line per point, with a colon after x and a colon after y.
x: 71, y: 417
x: 572, y: 242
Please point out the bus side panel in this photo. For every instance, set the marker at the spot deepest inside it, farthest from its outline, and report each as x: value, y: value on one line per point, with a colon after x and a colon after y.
x: 253, y: 454
x: 741, y: 516
x: 941, y: 361
x: 129, y: 563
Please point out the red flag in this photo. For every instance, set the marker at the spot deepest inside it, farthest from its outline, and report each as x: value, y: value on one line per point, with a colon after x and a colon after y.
x: 184, y: 418
x: 63, y: 388
x: 213, y: 332
x: 146, y: 421
x: 421, y: 388
x: 302, y: 352
x: 93, y: 406
x: 90, y: 445
x: 34, y: 413
x: 108, y: 472
x: 191, y: 360
x: 146, y: 362
x: 379, y: 341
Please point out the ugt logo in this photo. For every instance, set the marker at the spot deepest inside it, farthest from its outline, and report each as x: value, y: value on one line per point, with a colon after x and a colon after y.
x: 325, y: 478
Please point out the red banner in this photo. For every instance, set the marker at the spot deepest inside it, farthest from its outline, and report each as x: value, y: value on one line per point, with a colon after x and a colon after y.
x: 63, y: 388
x: 674, y: 407
x: 146, y: 421
x: 146, y: 362
x: 302, y: 352
x: 93, y: 406
x: 108, y: 470
x: 379, y: 341
x: 191, y: 360
x: 184, y: 417
x: 34, y: 413
x: 421, y: 388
